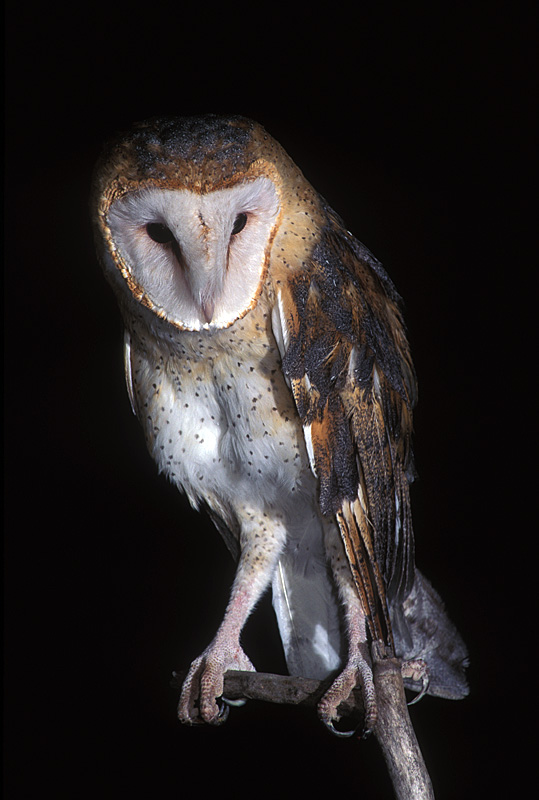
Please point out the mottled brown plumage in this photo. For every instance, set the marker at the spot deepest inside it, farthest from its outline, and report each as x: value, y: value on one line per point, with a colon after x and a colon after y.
x: 267, y: 361
x: 350, y: 370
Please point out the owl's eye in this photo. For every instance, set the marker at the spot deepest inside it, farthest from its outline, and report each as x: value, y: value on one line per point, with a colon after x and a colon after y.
x: 239, y: 223
x: 159, y: 233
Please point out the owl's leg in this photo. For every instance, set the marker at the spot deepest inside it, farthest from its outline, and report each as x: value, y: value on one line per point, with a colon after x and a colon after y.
x: 262, y: 540
x: 358, y: 668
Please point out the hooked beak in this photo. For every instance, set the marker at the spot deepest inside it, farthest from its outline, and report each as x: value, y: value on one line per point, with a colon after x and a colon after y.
x: 207, y: 307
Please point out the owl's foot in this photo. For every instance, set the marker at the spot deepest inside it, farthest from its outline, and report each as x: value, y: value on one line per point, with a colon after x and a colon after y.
x: 203, y: 685
x: 418, y: 672
x: 358, y: 672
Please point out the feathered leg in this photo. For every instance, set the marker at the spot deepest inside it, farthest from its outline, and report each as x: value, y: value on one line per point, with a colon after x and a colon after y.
x: 262, y: 540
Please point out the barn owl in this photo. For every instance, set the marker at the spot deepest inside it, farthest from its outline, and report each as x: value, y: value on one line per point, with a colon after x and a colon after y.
x: 267, y: 362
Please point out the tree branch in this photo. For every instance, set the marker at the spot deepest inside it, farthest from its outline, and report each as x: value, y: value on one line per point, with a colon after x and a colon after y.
x: 395, y: 734
x: 393, y: 729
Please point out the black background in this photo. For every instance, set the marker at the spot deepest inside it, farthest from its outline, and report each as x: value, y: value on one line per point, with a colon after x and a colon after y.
x: 415, y: 125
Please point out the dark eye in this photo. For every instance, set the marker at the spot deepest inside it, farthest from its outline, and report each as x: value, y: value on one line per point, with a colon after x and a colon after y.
x: 159, y: 233
x: 239, y: 223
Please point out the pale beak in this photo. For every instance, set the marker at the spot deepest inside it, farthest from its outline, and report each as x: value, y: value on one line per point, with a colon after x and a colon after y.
x: 207, y: 307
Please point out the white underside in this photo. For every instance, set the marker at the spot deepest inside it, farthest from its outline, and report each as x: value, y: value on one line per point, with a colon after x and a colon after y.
x: 307, y: 615
x: 222, y: 445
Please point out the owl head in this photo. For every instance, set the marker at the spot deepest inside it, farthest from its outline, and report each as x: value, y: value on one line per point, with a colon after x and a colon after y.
x: 188, y: 211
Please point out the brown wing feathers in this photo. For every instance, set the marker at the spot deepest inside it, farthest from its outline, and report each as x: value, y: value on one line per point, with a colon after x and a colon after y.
x: 356, y: 534
x: 348, y: 364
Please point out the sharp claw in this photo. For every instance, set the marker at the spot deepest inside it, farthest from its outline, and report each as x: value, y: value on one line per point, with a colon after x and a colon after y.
x: 235, y: 703
x: 223, y: 711
x: 425, y: 681
x: 342, y: 734
x: 420, y: 694
x: 416, y: 671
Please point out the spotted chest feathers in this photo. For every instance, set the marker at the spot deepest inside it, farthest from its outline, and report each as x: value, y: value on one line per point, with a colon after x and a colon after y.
x: 217, y: 413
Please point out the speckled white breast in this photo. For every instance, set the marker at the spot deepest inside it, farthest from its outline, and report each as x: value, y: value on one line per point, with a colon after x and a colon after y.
x: 222, y: 421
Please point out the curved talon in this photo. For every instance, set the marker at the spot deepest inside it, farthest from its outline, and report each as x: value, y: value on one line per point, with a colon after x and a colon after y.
x: 342, y: 734
x: 224, y: 710
x: 235, y: 703
x: 424, y: 689
x: 416, y: 670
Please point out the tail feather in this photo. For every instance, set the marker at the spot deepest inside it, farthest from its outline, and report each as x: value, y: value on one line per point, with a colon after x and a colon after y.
x: 307, y: 613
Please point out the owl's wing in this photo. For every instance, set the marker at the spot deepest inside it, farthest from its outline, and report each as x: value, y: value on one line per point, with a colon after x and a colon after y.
x: 346, y: 358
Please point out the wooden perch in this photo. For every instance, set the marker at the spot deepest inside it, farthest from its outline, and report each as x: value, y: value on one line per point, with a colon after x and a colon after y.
x: 393, y: 729
x: 396, y: 736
